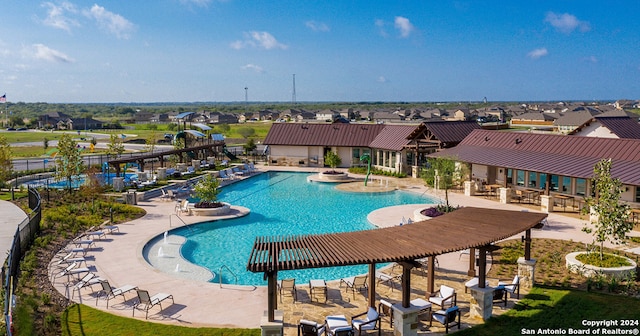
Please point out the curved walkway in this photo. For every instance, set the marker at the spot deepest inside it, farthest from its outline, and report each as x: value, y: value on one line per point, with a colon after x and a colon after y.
x: 119, y: 259
x: 12, y: 216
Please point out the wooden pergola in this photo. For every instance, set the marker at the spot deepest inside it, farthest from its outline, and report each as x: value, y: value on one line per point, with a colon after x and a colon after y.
x: 465, y: 228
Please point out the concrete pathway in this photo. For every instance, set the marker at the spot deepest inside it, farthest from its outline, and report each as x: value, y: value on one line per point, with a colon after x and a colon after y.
x: 12, y: 216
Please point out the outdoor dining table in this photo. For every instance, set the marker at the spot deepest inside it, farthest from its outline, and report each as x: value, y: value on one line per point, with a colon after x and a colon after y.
x: 530, y: 194
x: 563, y: 201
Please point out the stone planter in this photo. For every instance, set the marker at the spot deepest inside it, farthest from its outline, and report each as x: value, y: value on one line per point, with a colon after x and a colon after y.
x: 418, y: 216
x: 337, y: 176
x: 576, y: 266
x: 220, y: 211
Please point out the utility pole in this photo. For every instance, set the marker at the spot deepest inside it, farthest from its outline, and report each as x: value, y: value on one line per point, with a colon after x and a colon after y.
x: 246, y: 99
x: 293, y: 95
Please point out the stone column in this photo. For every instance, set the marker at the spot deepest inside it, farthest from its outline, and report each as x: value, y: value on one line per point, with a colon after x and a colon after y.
x: 161, y: 173
x: 414, y: 171
x: 195, y: 164
x: 469, y: 188
x: 118, y: 183
x: 526, y: 271
x: 546, y: 203
x: 481, y: 303
x: 405, y: 320
x: 211, y: 160
x: 505, y: 195
x: 181, y: 167
x: 275, y: 328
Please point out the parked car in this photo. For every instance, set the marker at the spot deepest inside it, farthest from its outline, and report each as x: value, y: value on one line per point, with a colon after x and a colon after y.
x: 10, y: 129
x: 22, y: 129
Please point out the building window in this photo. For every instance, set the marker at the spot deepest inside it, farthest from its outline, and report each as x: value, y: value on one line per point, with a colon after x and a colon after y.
x: 509, y: 177
x: 393, y: 159
x: 566, y: 185
x: 520, y: 178
x: 554, y: 183
x: 543, y: 180
x: 637, y: 194
x: 581, y: 187
x: 533, y: 180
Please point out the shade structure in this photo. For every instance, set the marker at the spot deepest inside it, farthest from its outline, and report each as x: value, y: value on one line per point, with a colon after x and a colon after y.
x: 462, y: 229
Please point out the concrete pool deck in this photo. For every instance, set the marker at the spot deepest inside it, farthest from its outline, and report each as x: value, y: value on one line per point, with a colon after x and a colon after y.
x: 119, y: 259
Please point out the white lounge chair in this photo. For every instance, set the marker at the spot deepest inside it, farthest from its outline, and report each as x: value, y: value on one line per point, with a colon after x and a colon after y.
x: 87, y: 281
x: 146, y: 302
x: 93, y: 232
x: 388, y: 279
x: 109, y: 292
x: 310, y: 328
x: 355, y: 283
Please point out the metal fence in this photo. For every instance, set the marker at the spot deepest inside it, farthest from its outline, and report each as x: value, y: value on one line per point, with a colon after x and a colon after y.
x: 26, y: 233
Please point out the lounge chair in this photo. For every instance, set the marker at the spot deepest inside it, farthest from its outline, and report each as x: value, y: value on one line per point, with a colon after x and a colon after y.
x: 445, y: 296
x: 74, y: 250
x: 87, y: 281
x: 147, y: 302
x: 86, y: 243
x: 388, y: 279
x: 448, y: 318
x: 288, y: 285
x: 355, y: 283
x: 513, y: 287
x: 93, y: 232
x: 182, y: 207
x: 223, y: 175
x: 109, y: 292
x: 70, y: 270
x: 165, y: 196
x: 310, y: 328
x: 69, y: 258
x: 371, y: 321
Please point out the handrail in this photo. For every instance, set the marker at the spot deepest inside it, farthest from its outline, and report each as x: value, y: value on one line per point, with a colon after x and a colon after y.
x: 183, y: 222
x: 220, y: 274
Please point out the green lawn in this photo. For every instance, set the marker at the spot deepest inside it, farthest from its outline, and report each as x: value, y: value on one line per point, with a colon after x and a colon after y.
x: 552, y: 308
x: 84, y: 320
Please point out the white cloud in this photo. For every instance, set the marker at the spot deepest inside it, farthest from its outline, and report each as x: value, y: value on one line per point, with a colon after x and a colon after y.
x: 57, y: 15
x: 404, y: 26
x: 537, y: 53
x: 591, y: 59
x: 382, y: 79
x: 380, y: 25
x: 317, y: 26
x: 566, y: 23
x: 42, y: 52
x: 253, y: 67
x: 258, y: 39
x: 113, y: 23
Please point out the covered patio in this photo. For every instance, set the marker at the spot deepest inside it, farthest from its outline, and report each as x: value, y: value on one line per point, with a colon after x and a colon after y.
x: 466, y: 228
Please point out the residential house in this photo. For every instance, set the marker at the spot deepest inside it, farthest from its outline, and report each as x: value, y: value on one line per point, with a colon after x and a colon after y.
x: 534, y: 119
x: 603, y: 126
x: 327, y: 115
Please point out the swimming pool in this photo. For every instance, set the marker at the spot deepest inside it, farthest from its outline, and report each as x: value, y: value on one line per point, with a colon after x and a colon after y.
x: 76, y: 181
x: 282, y: 204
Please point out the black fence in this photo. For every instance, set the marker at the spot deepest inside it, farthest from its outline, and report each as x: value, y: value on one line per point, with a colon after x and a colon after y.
x: 26, y: 233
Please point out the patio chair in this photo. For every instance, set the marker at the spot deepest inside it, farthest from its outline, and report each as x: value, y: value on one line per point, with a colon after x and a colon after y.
x: 513, y: 287
x: 146, y: 302
x: 337, y: 325
x: 517, y: 195
x: 86, y: 243
x: 310, y: 328
x: 444, y: 296
x: 371, y: 321
x: 69, y: 258
x: 164, y: 196
x: 448, y: 318
x: 94, y: 232
x: 223, y: 175
x: 182, y: 207
x: 288, y: 285
x: 500, y: 295
x: 109, y: 292
x: 354, y: 283
x: 69, y: 271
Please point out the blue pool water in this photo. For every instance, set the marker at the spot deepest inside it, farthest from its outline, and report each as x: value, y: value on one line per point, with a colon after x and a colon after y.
x: 283, y: 204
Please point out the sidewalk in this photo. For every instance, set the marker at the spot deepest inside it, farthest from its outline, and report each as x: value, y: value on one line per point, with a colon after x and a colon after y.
x: 12, y: 216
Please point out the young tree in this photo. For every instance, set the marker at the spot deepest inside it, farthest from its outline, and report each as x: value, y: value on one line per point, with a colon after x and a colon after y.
x: 443, y: 174
x: 45, y: 144
x: 6, y: 165
x: 332, y: 159
x: 246, y: 132
x: 115, y: 146
x: 611, y: 220
x: 207, y: 190
x: 68, y: 161
x: 249, y: 147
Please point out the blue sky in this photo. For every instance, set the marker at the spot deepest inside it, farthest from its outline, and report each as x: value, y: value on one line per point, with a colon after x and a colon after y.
x: 208, y: 50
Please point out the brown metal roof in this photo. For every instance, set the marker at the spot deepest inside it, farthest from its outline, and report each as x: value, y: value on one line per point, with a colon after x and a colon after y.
x: 573, y: 156
x: 346, y: 135
x: 623, y: 127
x: 464, y: 228
x: 393, y: 137
x: 448, y: 132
